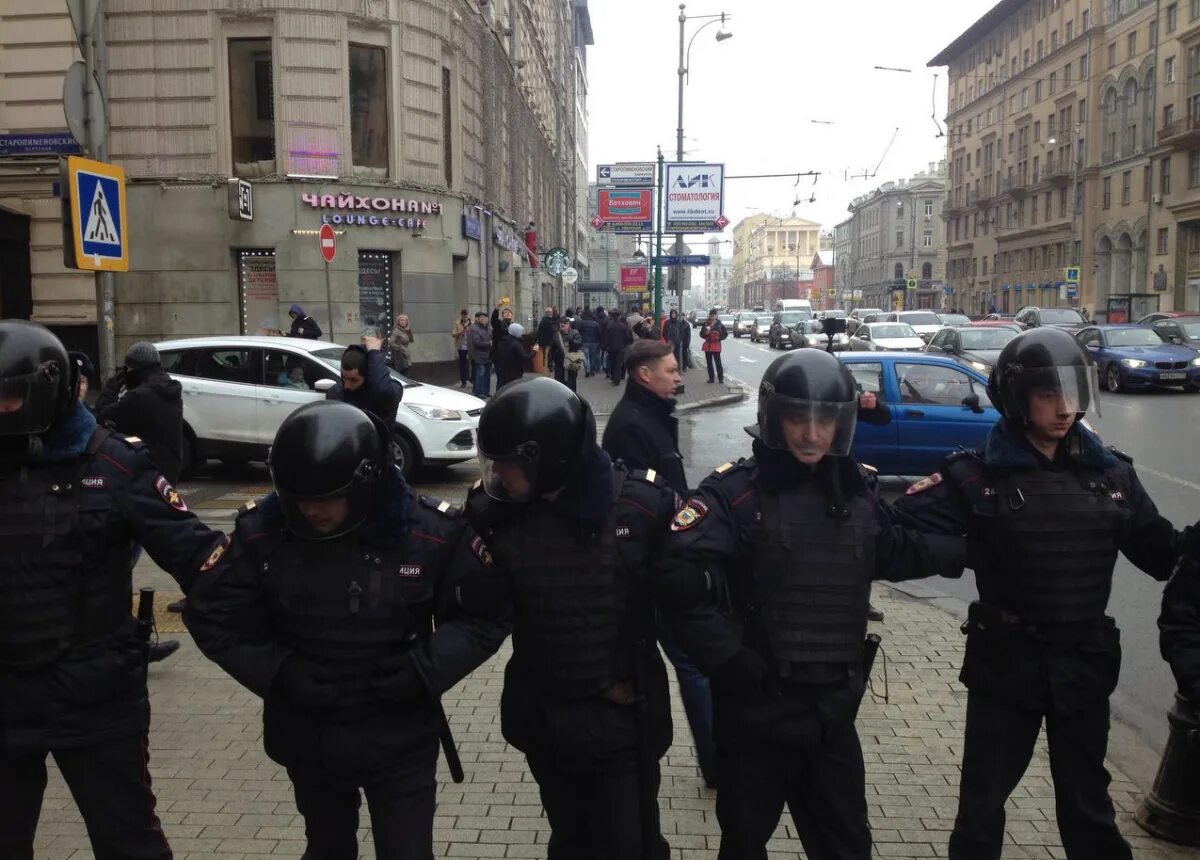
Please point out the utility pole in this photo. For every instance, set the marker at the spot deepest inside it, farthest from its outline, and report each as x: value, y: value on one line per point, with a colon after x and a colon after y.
x: 661, y: 210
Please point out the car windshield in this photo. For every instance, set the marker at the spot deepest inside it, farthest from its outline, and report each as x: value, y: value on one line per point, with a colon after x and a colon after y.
x: 954, y: 319
x: 890, y: 330
x: 866, y: 312
x: 1192, y: 329
x: 835, y: 314
x: 1133, y: 337
x: 726, y: 318
x: 1059, y: 316
x: 333, y: 357
x: 921, y: 319
x: 762, y: 321
x: 793, y: 317
x: 986, y: 338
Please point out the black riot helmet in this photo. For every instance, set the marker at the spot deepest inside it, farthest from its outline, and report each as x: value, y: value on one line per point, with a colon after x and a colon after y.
x: 328, y: 450
x: 1043, y: 357
x: 37, y: 383
x: 808, y: 387
x: 536, y: 429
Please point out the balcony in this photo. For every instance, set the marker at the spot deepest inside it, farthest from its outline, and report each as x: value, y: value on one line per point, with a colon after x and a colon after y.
x: 1016, y: 187
x: 1057, y: 174
x: 1182, y: 132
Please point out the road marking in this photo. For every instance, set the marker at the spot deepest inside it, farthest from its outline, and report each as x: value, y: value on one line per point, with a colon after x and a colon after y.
x: 1173, y: 479
x: 748, y: 360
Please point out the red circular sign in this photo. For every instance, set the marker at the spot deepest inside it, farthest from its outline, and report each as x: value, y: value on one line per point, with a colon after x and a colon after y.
x: 328, y: 243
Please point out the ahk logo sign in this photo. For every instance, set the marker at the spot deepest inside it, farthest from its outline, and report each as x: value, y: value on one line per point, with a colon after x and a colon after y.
x: 698, y: 180
x: 695, y: 198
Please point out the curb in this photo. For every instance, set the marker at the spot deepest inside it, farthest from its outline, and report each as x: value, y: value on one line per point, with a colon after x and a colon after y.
x: 720, y: 400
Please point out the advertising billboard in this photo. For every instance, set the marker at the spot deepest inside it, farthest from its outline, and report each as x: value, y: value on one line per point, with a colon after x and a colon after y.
x: 625, y: 210
x: 695, y: 198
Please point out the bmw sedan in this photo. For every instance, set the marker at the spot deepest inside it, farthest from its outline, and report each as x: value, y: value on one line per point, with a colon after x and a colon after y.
x: 937, y: 406
x: 1130, y: 357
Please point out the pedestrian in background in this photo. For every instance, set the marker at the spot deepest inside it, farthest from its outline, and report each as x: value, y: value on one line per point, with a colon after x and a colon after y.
x: 400, y: 341
x: 617, y: 339
x: 589, y: 335
x: 303, y: 325
x: 141, y: 399
x: 602, y: 320
x: 479, y: 344
x: 684, y: 351
x: 569, y: 345
x: 712, y: 333
x: 366, y: 382
x: 545, y: 336
x: 512, y: 356
x: 460, y: 347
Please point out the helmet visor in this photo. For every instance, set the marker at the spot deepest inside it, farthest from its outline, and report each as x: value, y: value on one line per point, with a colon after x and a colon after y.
x: 27, y: 403
x: 330, y: 515
x: 1071, y: 388
x: 509, y: 479
x: 809, y: 428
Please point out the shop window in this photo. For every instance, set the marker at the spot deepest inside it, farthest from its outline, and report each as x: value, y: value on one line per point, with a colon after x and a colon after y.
x: 369, y: 107
x: 259, y: 292
x: 447, y: 128
x: 375, y: 293
x: 251, y: 107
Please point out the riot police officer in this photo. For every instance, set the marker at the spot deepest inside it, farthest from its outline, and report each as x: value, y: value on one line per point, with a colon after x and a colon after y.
x: 1046, y: 508
x: 766, y: 579
x: 75, y: 501
x: 350, y: 604
x: 585, y: 693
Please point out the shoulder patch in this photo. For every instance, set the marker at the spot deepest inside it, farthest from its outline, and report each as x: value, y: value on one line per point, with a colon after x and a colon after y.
x: 960, y: 454
x: 1120, y: 455
x: 695, y: 510
x: 169, y: 494
x: 723, y: 468
x: 869, y: 468
x: 216, y: 555
x: 442, y: 507
x: 247, y: 508
x: 133, y: 440
x: 650, y: 476
x: 480, y: 551
x: 924, y: 484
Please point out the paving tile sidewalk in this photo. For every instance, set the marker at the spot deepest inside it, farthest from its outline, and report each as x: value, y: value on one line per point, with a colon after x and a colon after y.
x: 220, y: 798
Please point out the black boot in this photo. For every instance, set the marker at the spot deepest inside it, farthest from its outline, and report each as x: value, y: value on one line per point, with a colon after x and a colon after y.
x: 160, y: 651
x: 178, y: 605
x: 874, y: 614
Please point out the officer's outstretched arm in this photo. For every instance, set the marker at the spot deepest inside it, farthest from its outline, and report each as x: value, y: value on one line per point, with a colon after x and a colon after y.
x: 160, y: 521
x: 227, y: 616
x: 474, y: 613
x: 689, y: 575
x: 1179, y: 629
x: 1151, y: 542
x: 903, y: 551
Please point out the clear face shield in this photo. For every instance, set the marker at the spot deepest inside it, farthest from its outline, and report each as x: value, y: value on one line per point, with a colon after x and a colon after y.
x: 511, y: 478
x: 333, y: 514
x: 27, y: 404
x: 809, y: 429
x: 1069, y: 390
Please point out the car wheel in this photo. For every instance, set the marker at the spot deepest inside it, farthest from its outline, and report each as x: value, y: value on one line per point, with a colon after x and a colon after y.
x: 1191, y: 387
x: 188, y: 462
x: 1112, y: 378
x: 403, y: 454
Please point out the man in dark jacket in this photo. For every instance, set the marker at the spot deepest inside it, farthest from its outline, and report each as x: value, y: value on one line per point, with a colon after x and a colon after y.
x: 142, y: 400
x: 618, y: 338
x: 546, y: 329
x: 367, y: 383
x: 302, y: 324
x: 511, y: 355
x: 589, y: 332
x: 351, y: 604
x: 602, y: 320
x: 76, y: 500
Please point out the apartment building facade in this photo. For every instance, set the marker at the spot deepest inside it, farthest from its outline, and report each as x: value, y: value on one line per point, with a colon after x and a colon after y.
x: 441, y: 140
x: 772, y: 258
x: 1074, y: 139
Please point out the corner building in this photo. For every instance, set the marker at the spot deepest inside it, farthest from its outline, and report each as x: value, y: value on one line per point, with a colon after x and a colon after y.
x: 440, y: 138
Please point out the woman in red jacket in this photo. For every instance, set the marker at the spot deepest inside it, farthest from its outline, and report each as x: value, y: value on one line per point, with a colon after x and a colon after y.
x: 711, y: 334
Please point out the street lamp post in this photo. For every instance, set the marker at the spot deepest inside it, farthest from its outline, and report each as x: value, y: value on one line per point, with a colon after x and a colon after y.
x: 1076, y: 157
x: 685, y: 55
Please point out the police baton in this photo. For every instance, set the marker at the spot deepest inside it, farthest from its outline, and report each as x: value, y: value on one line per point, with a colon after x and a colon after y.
x: 145, y: 613
x: 445, y: 736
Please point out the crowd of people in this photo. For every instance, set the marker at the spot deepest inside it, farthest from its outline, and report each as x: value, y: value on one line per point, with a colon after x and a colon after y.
x: 350, y: 604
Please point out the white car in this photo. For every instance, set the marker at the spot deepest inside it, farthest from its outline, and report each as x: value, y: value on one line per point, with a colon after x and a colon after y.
x: 925, y: 323
x: 886, y: 336
x: 238, y: 389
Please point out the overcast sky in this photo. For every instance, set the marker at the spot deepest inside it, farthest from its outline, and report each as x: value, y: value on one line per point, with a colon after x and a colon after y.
x: 751, y: 99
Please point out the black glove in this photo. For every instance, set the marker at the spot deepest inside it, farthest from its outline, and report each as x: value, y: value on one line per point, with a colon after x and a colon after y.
x: 747, y: 676
x: 305, y: 684
x: 397, y: 680
x: 1189, y: 543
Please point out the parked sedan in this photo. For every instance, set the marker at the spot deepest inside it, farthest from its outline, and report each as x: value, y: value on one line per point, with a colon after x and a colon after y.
x: 761, y: 330
x: 924, y: 323
x: 873, y: 337
x: 1064, y: 318
x: 812, y: 333
x: 238, y: 390
x: 742, y: 323
x: 1179, y: 328
x: 782, y: 324
x: 954, y: 319
x: 975, y: 346
x: 1134, y: 357
x: 937, y: 406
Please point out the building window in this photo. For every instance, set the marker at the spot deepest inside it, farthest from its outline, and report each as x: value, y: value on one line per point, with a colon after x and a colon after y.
x: 1025, y: 97
x: 899, y: 210
x: 1169, y: 68
x: 1037, y: 91
x: 899, y: 238
x: 898, y: 272
x: 251, y: 105
x: 927, y: 240
x: 1126, y: 186
x: 1049, y: 205
x: 1084, y: 64
x: 368, y: 107
x: 1164, y: 176
x: 1163, y: 233
x: 1112, y: 55
x: 1146, y: 180
x: 1194, y: 168
x: 1172, y: 17
x: 1132, y: 40
x: 1070, y: 30
x: 1053, y: 82
x: 1195, y: 10
x: 1040, y: 52
x: 1168, y: 115
x: 1087, y: 20
x: 928, y: 209
x: 1107, y: 200
x: 1053, y: 40
x: 1025, y: 57
x: 447, y: 128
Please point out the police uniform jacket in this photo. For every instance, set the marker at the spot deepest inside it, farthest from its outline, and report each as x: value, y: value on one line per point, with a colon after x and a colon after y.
x: 583, y: 618
x: 412, y: 583
x: 1043, y: 538
x: 72, y: 662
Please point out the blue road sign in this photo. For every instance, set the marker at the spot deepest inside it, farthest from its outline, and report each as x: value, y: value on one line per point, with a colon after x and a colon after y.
x: 687, y: 260
x: 98, y: 204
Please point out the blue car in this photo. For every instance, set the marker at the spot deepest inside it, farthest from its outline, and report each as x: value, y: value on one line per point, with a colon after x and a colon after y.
x: 1130, y: 357
x: 937, y: 405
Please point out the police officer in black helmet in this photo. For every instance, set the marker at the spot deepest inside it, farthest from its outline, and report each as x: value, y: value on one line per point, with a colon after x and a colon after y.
x: 350, y: 604
x: 75, y: 501
x: 1045, y: 508
x: 585, y: 693
x: 766, y: 579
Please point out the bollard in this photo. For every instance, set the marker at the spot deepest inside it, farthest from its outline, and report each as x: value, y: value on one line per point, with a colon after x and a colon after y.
x: 1172, y: 809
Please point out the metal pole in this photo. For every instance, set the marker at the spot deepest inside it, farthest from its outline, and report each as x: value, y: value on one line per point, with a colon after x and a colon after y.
x: 96, y: 54
x: 658, y: 284
x: 679, y: 147
x: 1076, y: 155
x: 329, y: 302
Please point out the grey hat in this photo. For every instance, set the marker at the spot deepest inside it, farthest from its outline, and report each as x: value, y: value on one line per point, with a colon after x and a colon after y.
x: 516, y: 329
x: 142, y: 354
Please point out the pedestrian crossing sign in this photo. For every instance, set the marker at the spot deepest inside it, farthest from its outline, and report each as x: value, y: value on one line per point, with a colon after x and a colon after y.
x: 98, y: 215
